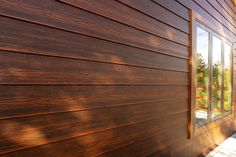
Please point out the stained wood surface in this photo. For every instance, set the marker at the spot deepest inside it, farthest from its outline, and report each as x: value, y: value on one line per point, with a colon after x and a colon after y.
x: 102, y: 78
x: 20, y: 101
x: 87, y: 23
x: 34, y: 69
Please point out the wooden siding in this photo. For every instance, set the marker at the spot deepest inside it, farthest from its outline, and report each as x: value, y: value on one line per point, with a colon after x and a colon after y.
x: 102, y: 78
x: 218, y: 17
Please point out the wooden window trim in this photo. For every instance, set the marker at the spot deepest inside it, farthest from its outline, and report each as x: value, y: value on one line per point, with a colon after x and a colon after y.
x: 195, y: 18
x: 234, y: 2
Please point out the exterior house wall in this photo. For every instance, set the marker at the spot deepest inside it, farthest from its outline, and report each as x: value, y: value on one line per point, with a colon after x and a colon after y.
x: 103, y: 77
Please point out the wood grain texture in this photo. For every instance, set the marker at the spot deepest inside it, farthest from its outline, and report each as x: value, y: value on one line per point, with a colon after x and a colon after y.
x: 227, y: 8
x: 31, y: 69
x: 207, y: 141
x: 33, y: 131
x: 80, y: 47
x: 230, y: 4
x: 182, y: 147
x: 175, y: 7
x: 149, y: 146
x: 204, y: 16
x: 94, y: 143
x: 102, y: 78
x: 209, y: 136
x: 111, y: 9
x: 83, y: 22
x: 227, y: 14
x: 154, y: 10
x: 18, y: 101
x: 228, y: 21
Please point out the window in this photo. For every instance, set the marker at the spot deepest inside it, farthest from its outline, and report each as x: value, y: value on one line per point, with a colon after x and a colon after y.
x: 213, y: 76
x: 202, y: 75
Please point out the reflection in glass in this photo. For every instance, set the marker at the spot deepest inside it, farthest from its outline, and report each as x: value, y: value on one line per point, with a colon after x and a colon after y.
x: 216, y: 80
x: 227, y: 78
x: 202, y: 75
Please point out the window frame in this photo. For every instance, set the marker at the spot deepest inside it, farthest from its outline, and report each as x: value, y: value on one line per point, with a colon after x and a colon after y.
x: 198, y: 20
x: 231, y: 72
x: 209, y: 73
x: 213, y: 33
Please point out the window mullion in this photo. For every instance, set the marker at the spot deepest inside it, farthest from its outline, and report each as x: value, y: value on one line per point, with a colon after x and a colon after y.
x: 210, y: 77
x: 231, y: 75
x: 222, y: 82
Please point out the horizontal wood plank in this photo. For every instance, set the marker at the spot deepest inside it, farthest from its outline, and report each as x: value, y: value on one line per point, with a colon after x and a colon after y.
x: 175, y: 7
x: 228, y: 23
x: 82, y: 47
x: 112, y: 9
x: 18, y: 68
x: 155, y: 145
x: 225, y: 13
x: 37, y: 40
x: 18, y: 101
x: 227, y: 8
x: 103, y: 78
x: 77, y: 20
x: 166, y: 151
x: 154, y: 10
x: 209, y: 20
x: 181, y: 145
x: 230, y: 4
x: 91, y: 144
x: 37, y: 37
x: 73, y: 124
x: 210, y: 138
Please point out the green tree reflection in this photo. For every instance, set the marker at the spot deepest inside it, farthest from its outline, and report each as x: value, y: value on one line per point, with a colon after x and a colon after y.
x: 202, y: 79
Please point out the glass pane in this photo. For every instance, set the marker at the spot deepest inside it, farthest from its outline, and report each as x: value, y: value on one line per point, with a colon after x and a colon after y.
x: 202, y: 75
x: 227, y: 78
x: 216, y: 80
